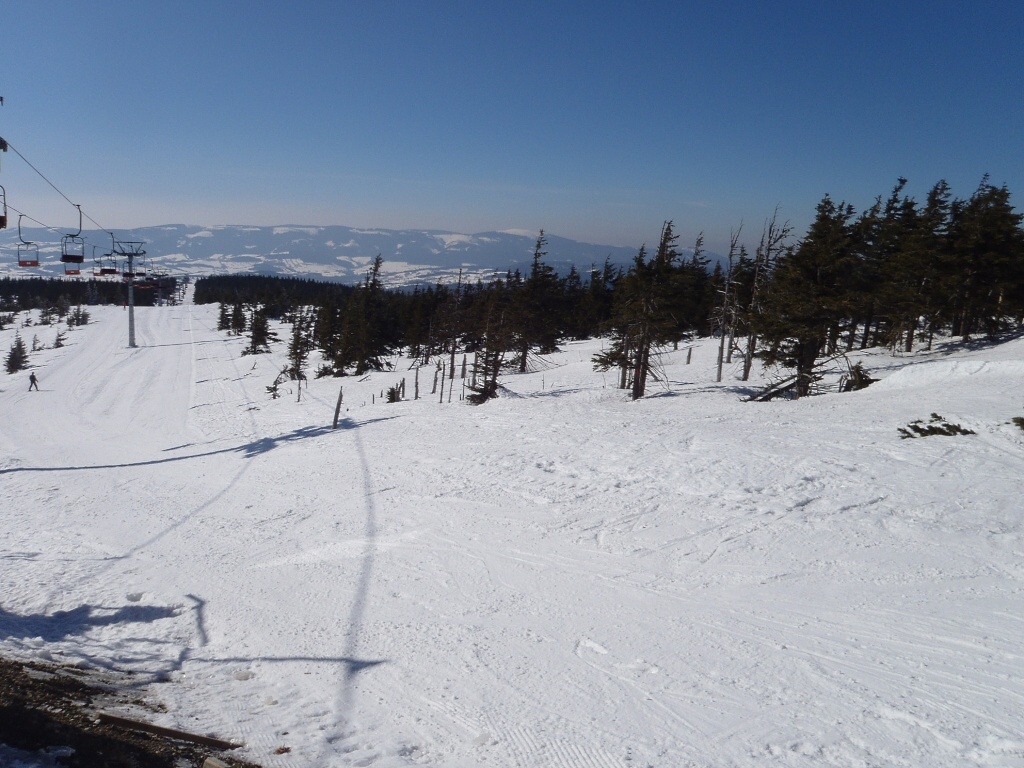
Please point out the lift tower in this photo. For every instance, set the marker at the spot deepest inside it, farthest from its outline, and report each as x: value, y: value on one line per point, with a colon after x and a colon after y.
x: 130, y: 251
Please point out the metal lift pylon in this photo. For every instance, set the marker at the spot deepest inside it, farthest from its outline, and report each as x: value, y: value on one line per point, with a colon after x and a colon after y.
x: 130, y: 251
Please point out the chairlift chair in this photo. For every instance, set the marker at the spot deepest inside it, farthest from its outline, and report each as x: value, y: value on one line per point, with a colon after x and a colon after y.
x: 99, y: 269
x: 72, y: 248
x: 3, y: 208
x: 28, y: 252
x: 142, y: 267
x: 28, y: 255
x: 108, y: 265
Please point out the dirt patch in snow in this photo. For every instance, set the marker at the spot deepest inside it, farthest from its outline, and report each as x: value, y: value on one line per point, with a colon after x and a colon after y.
x: 52, y: 710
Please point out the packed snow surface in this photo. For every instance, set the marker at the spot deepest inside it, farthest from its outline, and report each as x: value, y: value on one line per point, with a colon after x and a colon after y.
x: 560, y: 577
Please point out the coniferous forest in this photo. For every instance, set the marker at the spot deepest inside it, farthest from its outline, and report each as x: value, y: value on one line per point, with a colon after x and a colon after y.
x: 895, y: 275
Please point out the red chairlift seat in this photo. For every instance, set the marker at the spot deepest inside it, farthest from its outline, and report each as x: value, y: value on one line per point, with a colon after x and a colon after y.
x: 109, y: 266
x: 28, y: 255
x: 28, y: 251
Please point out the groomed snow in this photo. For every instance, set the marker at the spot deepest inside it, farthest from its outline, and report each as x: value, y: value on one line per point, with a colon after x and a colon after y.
x: 557, y: 578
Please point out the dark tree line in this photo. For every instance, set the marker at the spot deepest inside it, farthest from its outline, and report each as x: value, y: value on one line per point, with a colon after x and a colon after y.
x: 898, y: 273
x: 20, y: 293
x: 503, y: 324
x: 895, y: 275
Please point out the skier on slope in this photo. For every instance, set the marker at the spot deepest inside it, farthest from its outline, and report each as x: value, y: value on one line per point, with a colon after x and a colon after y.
x: 33, y: 382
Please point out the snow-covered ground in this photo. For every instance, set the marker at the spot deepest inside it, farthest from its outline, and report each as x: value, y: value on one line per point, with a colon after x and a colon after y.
x: 557, y: 578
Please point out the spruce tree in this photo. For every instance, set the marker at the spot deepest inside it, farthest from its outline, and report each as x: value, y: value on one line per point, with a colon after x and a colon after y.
x: 751, y: 277
x: 300, y: 345
x: 223, y: 318
x: 650, y: 305
x: 260, y: 334
x: 17, y: 357
x: 497, y: 337
x: 536, y: 308
x: 985, y: 266
x: 238, y: 319
x: 366, y: 327
x: 808, y: 299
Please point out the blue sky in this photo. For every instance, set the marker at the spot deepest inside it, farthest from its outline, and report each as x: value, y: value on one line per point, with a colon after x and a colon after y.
x: 592, y: 120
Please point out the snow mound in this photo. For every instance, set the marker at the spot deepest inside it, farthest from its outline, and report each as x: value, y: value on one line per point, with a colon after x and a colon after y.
x: 943, y: 371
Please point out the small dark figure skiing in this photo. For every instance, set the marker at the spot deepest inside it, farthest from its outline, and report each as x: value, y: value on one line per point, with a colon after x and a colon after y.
x: 33, y: 382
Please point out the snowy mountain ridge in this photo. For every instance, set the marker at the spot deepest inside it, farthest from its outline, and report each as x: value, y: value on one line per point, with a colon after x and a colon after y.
x: 411, y: 256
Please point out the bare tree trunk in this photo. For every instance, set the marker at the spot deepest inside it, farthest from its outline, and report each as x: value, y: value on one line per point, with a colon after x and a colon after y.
x: 748, y: 356
x: 721, y: 354
x: 866, y: 340
x: 624, y: 366
x: 641, y: 368
x: 806, y: 354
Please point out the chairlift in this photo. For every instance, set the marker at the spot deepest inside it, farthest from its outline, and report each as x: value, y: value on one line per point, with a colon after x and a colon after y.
x: 3, y: 208
x: 130, y: 251
x: 109, y: 265
x: 28, y: 252
x: 142, y: 267
x: 72, y: 248
x: 102, y: 268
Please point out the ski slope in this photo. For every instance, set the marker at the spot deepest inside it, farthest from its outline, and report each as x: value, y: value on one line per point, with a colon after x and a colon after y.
x: 558, y: 578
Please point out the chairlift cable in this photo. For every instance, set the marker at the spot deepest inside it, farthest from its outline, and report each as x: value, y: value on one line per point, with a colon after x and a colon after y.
x: 82, y: 213
x: 55, y: 188
x: 34, y: 220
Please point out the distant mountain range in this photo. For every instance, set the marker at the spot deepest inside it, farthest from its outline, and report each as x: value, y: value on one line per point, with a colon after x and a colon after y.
x: 411, y: 256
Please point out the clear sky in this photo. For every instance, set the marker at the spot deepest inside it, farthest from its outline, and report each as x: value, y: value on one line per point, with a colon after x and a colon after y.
x: 593, y: 120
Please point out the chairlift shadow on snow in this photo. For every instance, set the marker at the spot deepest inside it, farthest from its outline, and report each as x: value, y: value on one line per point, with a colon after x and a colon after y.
x: 346, y: 422
x: 77, y: 621
x: 351, y: 665
x: 62, y: 624
x: 265, y: 444
x: 180, y: 344
x: 248, y: 450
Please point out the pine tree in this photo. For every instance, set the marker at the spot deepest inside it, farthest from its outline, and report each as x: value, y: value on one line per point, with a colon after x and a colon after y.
x: 536, y: 308
x: 223, y: 318
x: 910, y: 286
x: 238, y: 319
x: 985, y: 264
x: 750, y: 278
x: 366, y: 328
x: 879, y: 235
x: 260, y: 334
x: 497, y: 338
x: 649, y: 303
x: 17, y: 357
x: 300, y: 345
x: 808, y: 299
